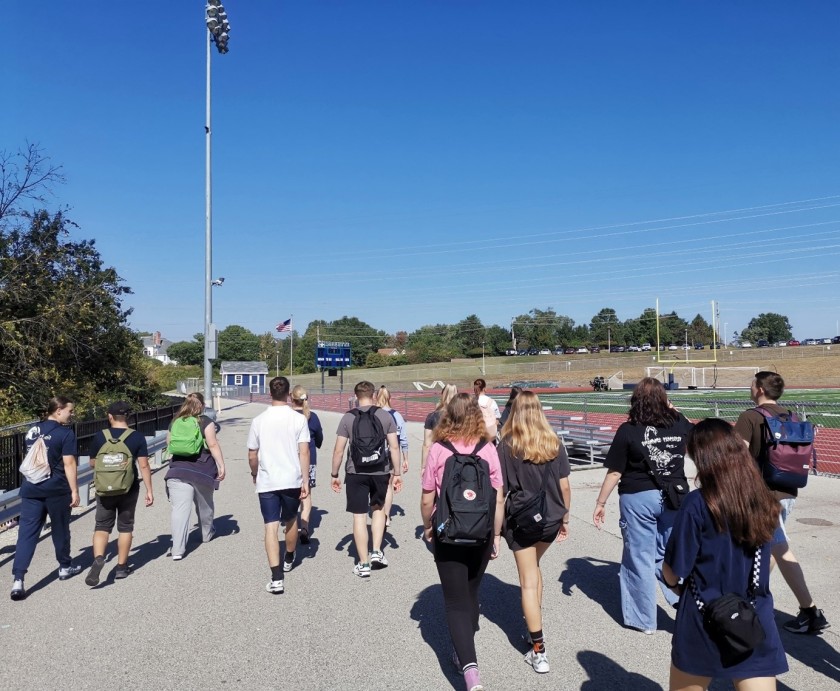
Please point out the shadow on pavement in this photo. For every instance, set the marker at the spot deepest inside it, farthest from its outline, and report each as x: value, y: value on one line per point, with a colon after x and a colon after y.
x: 225, y: 526
x: 429, y: 614
x: 598, y: 580
x: 347, y: 543
x: 812, y: 651
x: 604, y: 673
x: 501, y: 604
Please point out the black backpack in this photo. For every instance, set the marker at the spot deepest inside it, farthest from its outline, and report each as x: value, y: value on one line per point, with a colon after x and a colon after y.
x: 464, y: 514
x: 529, y: 519
x: 368, y: 442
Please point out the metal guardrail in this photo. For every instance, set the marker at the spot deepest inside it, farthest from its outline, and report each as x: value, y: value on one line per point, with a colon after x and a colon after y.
x: 10, y: 501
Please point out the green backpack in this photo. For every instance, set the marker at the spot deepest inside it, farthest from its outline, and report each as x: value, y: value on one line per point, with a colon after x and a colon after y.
x: 185, y: 437
x: 113, y: 471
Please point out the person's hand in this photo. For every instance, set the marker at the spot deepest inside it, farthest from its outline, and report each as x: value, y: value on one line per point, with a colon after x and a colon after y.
x: 74, y: 499
x: 427, y: 534
x: 335, y: 483
x: 563, y: 535
x: 221, y: 475
x: 304, y: 489
x: 497, y: 541
x: 149, y: 499
x: 598, y: 515
x: 405, y: 465
x: 398, y: 483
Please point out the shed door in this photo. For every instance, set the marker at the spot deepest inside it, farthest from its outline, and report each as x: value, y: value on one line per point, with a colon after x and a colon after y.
x: 255, y: 383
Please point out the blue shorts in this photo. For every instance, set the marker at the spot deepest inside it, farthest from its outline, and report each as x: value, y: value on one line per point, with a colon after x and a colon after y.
x: 279, y: 505
x: 781, y: 534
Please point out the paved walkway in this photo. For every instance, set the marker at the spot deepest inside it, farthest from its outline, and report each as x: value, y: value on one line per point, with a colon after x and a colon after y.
x: 207, y: 623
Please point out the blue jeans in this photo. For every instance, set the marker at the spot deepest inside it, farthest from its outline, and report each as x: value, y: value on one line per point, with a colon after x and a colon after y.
x: 646, y: 525
x: 33, y: 515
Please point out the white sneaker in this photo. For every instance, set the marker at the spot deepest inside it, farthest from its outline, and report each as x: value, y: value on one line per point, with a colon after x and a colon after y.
x: 275, y: 587
x: 378, y: 560
x: 362, y: 570
x: 539, y: 661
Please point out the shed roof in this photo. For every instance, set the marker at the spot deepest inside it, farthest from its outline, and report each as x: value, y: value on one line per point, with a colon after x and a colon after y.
x: 244, y: 368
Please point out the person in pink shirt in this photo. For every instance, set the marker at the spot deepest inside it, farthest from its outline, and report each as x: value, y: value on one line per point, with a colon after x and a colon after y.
x: 461, y: 567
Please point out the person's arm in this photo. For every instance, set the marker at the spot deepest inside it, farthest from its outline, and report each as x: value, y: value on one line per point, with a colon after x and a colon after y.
x: 566, y: 494
x: 671, y: 580
x: 427, y: 505
x: 303, y: 453
x: 146, y: 473
x: 424, y: 452
x: 610, y: 481
x: 70, y: 472
x: 318, y: 432
x: 254, y: 463
x: 338, y: 454
x: 394, y: 447
x: 498, y: 520
x: 215, y: 449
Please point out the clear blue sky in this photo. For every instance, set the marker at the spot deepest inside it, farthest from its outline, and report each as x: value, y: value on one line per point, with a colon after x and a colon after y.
x: 413, y: 163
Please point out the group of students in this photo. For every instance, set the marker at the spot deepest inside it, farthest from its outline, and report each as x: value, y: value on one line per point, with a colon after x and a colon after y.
x: 697, y: 546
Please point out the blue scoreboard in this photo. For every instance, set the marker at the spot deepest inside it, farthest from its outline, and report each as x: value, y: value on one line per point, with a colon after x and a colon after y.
x: 332, y: 355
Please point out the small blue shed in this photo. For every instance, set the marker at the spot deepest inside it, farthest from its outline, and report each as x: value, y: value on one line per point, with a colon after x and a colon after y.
x: 250, y: 374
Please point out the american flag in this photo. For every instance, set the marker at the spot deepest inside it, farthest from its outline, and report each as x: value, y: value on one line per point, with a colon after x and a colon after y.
x: 285, y: 326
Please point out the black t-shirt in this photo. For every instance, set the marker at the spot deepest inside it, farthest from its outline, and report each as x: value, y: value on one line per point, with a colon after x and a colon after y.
x: 633, y: 447
x: 432, y: 419
x: 135, y: 442
x: 524, y: 479
x: 60, y: 442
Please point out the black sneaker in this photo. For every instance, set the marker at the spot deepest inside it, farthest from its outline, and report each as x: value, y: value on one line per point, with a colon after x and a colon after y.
x: 122, y: 571
x: 92, y: 579
x: 807, y: 621
x: 288, y: 561
x: 304, y: 536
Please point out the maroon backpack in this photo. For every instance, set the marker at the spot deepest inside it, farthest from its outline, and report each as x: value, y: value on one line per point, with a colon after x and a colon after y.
x: 790, y: 449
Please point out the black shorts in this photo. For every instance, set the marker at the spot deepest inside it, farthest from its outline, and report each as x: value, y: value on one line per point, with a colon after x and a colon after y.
x: 279, y: 505
x: 516, y: 543
x: 118, y: 509
x: 365, y: 491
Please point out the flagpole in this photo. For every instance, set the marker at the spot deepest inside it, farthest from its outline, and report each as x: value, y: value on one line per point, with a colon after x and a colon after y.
x: 291, y: 345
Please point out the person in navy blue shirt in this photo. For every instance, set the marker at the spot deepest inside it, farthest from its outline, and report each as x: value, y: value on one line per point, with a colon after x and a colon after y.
x: 53, y: 497
x: 714, y: 541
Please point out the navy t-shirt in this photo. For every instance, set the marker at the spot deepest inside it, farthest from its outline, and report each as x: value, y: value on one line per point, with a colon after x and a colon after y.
x: 634, y: 446
x: 719, y: 566
x: 60, y: 441
x: 135, y: 442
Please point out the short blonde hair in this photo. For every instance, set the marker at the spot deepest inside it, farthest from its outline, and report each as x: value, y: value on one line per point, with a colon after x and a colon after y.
x: 527, y: 431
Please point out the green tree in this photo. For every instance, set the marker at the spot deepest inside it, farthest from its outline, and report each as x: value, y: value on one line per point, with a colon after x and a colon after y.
x: 606, y: 328
x: 768, y: 325
x: 497, y: 340
x: 543, y: 329
x: 469, y: 335
x: 188, y: 352
x: 238, y: 344
x: 699, y: 331
x: 431, y: 343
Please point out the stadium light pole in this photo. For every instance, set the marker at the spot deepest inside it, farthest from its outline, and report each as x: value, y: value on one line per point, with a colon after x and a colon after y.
x: 218, y: 29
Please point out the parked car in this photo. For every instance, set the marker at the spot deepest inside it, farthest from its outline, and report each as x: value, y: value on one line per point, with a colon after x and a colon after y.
x: 557, y: 351
x: 646, y: 347
x: 699, y: 346
x: 836, y: 339
x: 544, y: 351
x: 673, y: 346
x: 793, y: 342
x: 533, y: 351
x: 634, y: 349
x: 782, y: 344
x: 522, y: 351
x: 582, y: 349
x: 569, y: 351
x: 746, y: 344
x: 827, y: 341
x: 594, y: 349
x: 511, y: 351
x: 762, y: 343
x: 811, y: 341
x: 616, y: 349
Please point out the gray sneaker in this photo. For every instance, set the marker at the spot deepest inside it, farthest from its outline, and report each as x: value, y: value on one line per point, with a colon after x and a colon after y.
x: 539, y: 661
x: 92, y: 579
x: 274, y: 587
x: 68, y: 572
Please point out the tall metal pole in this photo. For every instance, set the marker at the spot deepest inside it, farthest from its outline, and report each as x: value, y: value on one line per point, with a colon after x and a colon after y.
x: 291, y: 346
x: 208, y: 240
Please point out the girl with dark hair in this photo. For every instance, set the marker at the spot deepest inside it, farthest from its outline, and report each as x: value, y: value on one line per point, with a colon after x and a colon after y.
x: 53, y: 497
x: 533, y: 460
x: 461, y: 567
x: 514, y: 392
x: 714, y: 541
x: 647, y: 452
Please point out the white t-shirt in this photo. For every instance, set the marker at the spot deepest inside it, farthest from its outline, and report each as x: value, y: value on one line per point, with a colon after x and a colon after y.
x: 490, y: 412
x: 275, y: 434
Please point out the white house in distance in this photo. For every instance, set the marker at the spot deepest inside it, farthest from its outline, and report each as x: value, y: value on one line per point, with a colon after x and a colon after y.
x: 155, y: 346
x: 250, y: 374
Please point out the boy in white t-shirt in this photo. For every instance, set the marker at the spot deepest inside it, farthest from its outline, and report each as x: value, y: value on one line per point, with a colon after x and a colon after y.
x: 278, y: 453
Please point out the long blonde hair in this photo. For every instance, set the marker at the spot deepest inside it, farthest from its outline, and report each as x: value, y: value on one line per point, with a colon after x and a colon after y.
x: 383, y: 397
x: 527, y: 431
x: 301, y: 400
x: 193, y: 406
x: 447, y: 393
x: 461, y: 420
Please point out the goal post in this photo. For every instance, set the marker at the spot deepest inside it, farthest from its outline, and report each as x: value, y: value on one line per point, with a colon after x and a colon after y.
x: 705, y: 377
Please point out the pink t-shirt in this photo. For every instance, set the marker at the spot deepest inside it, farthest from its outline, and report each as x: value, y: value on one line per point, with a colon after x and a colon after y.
x: 436, y: 462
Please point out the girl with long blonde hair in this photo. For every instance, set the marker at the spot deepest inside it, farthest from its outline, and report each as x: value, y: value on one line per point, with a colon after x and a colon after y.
x: 300, y: 402
x: 534, y: 466
x: 383, y: 400
x: 447, y: 393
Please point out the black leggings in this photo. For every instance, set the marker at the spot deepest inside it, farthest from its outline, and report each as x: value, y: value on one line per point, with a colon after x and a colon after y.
x: 460, y: 570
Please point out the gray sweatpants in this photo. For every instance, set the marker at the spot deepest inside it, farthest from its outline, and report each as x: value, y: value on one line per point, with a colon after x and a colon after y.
x: 182, y: 495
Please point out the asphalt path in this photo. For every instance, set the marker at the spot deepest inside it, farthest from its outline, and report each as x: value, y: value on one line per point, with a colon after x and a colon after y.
x: 206, y: 622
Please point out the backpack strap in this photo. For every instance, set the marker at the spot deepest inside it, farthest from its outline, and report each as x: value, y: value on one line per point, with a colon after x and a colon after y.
x: 446, y: 444
x: 768, y: 415
x: 752, y: 586
x: 481, y: 444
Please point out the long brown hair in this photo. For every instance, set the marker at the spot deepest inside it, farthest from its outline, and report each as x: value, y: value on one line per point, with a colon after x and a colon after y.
x: 527, y: 431
x: 461, y: 420
x: 193, y: 406
x: 649, y: 405
x: 731, y: 485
